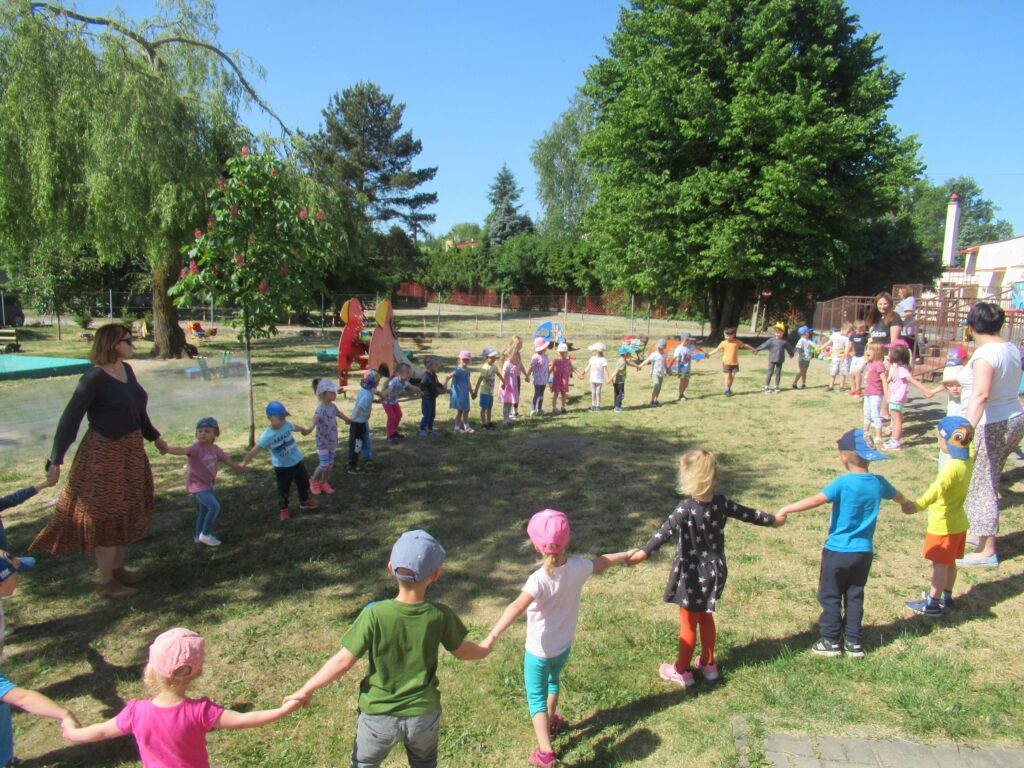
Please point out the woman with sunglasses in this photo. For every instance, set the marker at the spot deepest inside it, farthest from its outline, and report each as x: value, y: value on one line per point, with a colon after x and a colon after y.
x: 107, y: 502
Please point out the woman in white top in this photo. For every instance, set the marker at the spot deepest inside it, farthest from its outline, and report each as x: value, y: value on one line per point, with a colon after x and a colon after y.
x: 991, y: 383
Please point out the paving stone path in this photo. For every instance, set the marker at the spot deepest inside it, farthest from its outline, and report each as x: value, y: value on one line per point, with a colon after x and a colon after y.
x: 786, y: 750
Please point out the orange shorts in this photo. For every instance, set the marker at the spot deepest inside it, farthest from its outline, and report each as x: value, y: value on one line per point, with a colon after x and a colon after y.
x: 944, y: 549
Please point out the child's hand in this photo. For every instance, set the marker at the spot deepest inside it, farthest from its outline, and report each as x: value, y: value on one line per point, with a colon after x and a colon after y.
x: 489, y: 641
x: 239, y: 469
x: 780, y: 519
x: 302, y: 699
x: 909, y: 507
x: 290, y: 705
x: 68, y: 724
x: 161, y: 445
x: 635, y: 557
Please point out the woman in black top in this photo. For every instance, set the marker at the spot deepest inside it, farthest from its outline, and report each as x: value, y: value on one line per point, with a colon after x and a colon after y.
x: 107, y: 502
x: 884, y: 325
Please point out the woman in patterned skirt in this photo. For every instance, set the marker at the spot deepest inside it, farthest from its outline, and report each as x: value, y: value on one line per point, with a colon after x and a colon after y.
x: 107, y: 502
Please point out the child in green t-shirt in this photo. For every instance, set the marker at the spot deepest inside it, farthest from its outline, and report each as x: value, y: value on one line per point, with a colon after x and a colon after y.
x: 399, y: 698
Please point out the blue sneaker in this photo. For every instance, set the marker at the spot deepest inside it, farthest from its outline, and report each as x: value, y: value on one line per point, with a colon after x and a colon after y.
x: 978, y: 562
x: 423, y: 433
x: 925, y: 607
x: 946, y: 601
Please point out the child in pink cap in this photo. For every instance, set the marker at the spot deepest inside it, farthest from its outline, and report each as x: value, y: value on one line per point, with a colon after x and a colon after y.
x: 461, y: 392
x: 538, y: 374
x: 551, y: 599
x: 170, y: 729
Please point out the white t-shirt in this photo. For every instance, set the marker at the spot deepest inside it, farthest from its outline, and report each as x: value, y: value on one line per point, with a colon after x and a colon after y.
x: 1003, y: 401
x: 597, y: 369
x: 657, y: 361
x: 552, y: 616
x: 908, y: 304
x: 839, y: 343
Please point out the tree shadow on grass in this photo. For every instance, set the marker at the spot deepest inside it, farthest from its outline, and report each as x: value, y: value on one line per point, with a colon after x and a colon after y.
x: 98, y: 755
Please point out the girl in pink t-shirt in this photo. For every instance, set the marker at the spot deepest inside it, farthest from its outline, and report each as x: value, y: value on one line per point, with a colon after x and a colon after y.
x: 201, y: 475
x: 508, y: 392
x: 899, y: 379
x: 170, y: 729
x: 561, y: 371
x: 875, y: 386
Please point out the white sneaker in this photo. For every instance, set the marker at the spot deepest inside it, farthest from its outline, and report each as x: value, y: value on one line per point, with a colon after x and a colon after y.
x: 456, y: 430
x: 468, y: 430
x: 208, y: 539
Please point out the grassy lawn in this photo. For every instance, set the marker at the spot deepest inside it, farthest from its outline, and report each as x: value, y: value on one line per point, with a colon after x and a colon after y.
x: 273, y: 601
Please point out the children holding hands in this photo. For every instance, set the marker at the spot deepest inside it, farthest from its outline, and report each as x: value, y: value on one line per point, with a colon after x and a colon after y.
x: 325, y: 422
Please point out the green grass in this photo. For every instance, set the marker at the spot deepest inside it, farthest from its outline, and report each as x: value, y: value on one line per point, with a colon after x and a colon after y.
x: 275, y: 598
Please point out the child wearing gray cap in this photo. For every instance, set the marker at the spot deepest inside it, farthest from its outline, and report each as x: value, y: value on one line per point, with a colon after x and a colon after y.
x: 399, y: 699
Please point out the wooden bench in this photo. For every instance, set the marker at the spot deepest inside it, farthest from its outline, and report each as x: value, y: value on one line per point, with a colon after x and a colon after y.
x: 9, y: 340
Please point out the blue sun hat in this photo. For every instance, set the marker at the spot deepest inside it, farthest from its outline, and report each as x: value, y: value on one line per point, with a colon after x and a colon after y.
x: 276, y: 408
x: 624, y: 349
x: 958, y: 433
x: 855, y: 440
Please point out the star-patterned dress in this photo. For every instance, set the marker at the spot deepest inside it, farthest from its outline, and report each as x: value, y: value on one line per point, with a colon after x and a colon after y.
x: 698, y: 570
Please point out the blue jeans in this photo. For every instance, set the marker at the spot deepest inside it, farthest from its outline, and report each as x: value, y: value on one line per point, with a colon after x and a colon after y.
x: 429, y: 414
x: 209, y: 508
x: 377, y: 734
x: 542, y: 678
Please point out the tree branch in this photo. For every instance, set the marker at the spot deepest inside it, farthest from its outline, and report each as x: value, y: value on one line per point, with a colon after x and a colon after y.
x: 150, y: 47
x: 234, y: 67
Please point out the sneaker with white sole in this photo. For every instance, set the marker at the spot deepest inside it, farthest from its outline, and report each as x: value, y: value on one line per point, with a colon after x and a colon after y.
x: 853, y: 650
x: 708, y: 671
x: 827, y: 648
x: 208, y: 539
x: 668, y: 672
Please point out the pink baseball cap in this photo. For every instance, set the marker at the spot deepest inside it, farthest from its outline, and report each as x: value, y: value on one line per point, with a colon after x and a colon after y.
x: 898, y: 343
x: 549, y: 531
x: 174, y: 649
x: 465, y: 355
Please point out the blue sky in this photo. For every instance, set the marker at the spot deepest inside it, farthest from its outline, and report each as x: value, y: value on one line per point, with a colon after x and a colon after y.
x: 483, y: 79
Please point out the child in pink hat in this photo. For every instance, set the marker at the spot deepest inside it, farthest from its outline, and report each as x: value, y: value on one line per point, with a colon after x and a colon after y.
x: 461, y: 392
x: 551, y: 599
x: 170, y: 729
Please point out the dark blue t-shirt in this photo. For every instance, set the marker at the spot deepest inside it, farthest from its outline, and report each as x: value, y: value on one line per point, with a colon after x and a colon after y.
x: 856, y: 498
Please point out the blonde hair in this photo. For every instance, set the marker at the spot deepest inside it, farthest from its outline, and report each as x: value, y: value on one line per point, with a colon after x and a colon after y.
x: 549, y: 561
x: 104, y: 343
x: 876, y: 352
x: 698, y: 472
x: 847, y: 326
x: 861, y: 326
x: 177, y: 684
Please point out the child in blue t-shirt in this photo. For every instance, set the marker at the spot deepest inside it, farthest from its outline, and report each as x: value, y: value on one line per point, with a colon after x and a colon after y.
x: 285, y: 456
x: 846, y: 558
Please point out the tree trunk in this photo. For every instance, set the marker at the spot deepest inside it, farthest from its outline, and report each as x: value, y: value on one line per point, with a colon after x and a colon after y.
x: 248, y: 376
x: 168, y: 336
x: 725, y: 301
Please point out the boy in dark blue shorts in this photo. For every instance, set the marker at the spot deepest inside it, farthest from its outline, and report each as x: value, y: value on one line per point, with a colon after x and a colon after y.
x: 846, y: 557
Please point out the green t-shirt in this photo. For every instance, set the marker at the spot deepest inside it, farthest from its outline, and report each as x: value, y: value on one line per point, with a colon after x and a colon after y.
x: 621, y: 367
x: 400, y: 642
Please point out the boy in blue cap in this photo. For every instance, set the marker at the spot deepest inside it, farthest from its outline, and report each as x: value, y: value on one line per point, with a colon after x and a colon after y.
x: 946, y: 536
x: 285, y: 456
x: 619, y: 375
x: 846, y: 557
x: 399, y: 699
x: 805, y: 351
x: 32, y: 702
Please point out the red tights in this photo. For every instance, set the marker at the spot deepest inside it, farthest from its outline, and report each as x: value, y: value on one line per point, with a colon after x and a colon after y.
x: 689, y: 622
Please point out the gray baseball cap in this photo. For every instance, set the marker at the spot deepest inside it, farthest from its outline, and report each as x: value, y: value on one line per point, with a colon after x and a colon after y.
x: 417, y: 552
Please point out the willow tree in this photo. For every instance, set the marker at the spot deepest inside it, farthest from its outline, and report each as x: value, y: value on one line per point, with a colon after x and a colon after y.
x: 111, y: 132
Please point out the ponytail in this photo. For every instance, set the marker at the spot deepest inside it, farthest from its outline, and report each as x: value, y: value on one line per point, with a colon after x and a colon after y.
x: 316, y: 383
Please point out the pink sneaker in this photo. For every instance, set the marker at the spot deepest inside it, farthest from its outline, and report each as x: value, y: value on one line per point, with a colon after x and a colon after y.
x: 543, y: 759
x: 314, y: 487
x: 668, y: 672
x: 326, y: 488
x: 708, y: 671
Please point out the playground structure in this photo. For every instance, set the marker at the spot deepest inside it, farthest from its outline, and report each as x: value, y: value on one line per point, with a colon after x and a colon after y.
x: 385, y: 351
x: 360, y: 351
x: 941, y: 317
x: 352, y: 349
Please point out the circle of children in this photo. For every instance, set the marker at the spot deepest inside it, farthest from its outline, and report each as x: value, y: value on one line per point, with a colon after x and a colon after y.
x: 399, y: 699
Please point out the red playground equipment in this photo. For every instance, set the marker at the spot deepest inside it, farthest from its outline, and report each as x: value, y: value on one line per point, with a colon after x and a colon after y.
x: 352, y: 352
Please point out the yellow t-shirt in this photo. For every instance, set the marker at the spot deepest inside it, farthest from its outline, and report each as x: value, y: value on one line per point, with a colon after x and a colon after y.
x: 730, y: 351
x: 945, y: 497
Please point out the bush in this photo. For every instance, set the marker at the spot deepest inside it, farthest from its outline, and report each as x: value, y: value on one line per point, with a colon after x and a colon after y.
x: 83, y: 319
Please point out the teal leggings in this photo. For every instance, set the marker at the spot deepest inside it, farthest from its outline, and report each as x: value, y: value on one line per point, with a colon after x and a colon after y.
x: 541, y: 677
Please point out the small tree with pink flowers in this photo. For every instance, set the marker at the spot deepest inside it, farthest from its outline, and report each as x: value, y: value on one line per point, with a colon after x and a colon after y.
x: 263, y: 251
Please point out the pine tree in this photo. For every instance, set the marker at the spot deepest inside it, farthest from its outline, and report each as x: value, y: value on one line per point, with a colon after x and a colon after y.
x: 505, y: 220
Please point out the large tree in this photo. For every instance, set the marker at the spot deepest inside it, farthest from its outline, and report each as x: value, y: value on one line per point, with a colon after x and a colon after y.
x: 739, y: 144
x: 362, y: 151
x: 978, y: 222
x: 565, y: 181
x: 505, y: 220
x: 110, y: 132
